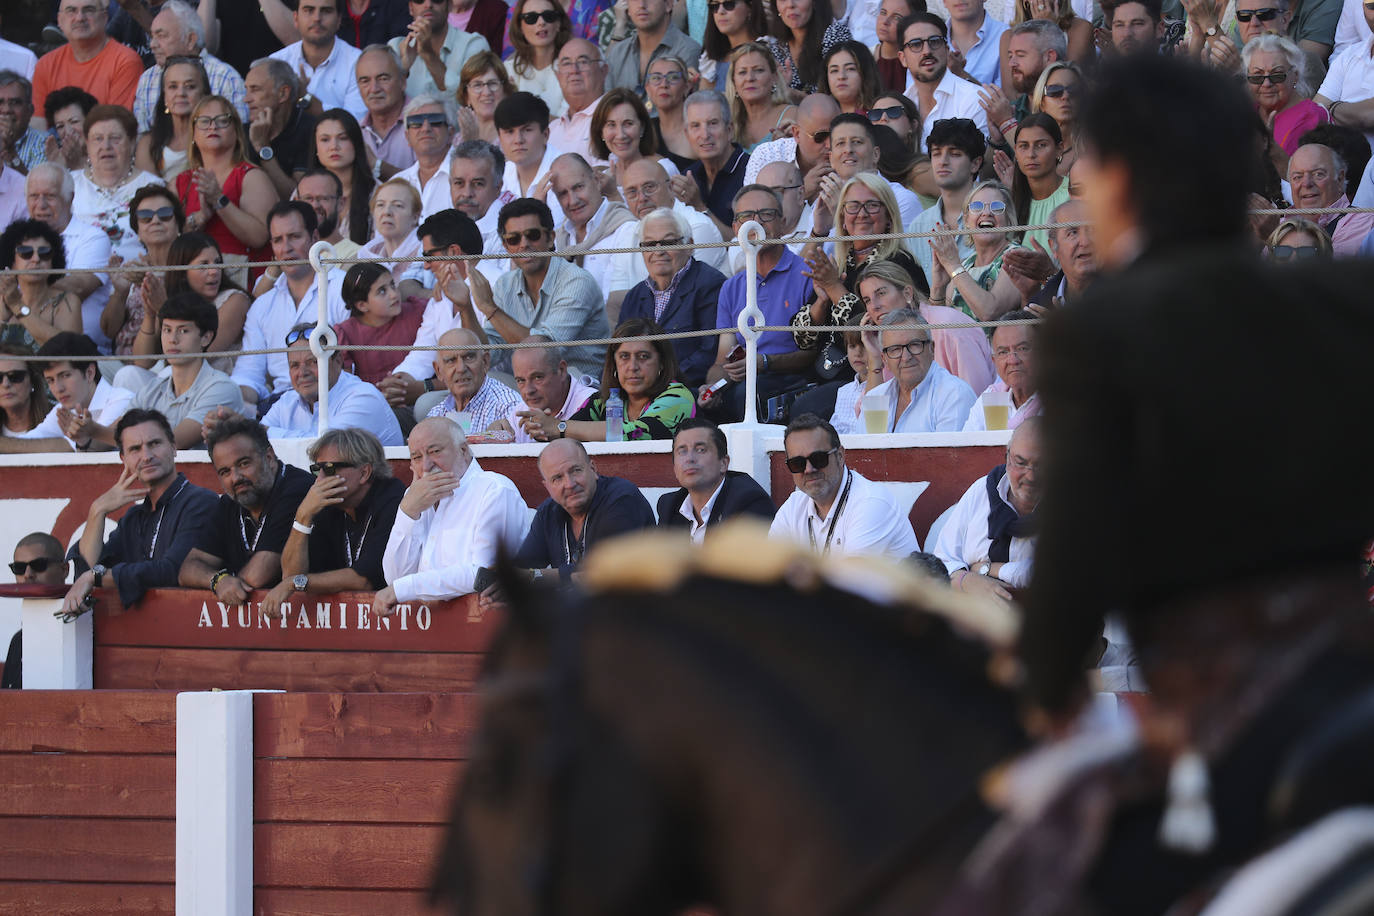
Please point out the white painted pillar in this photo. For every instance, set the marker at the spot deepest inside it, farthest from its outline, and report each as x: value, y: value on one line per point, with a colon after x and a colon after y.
x: 215, y: 803
x: 57, y: 655
x: 322, y: 336
x: 750, y: 234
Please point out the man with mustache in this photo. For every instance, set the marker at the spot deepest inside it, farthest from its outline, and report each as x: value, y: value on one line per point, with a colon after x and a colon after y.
x: 937, y: 92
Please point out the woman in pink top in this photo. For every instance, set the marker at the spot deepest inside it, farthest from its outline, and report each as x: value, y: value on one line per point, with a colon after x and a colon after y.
x: 1276, y: 71
x: 378, y: 317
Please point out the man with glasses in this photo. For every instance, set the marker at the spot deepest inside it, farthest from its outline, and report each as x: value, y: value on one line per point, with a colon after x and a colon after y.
x: 922, y: 396
x: 1317, y: 176
x: 353, y: 403
x: 711, y: 182
x: 430, y: 121
x: 957, y: 148
x: 540, y: 295
x: 178, y: 32
x: 83, y: 399
x: 21, y: 146
x: 655, y: 37
x: 342, y: 524
x: 522, y: 126
x: 1013, y: 355
x: 987, y: 542
x: 38, y: 560
x: 582, y: 77
x: 382, y: 86
x: 937, y: 92
x: 784, y: 287
x: 808, y: 148
x: 323, y: 191
x: 91, y: 59
x: 432, y: 52
x: 835, y: 509
x: 785, y: 180
x: 323, y: 60
x: 471, y: 390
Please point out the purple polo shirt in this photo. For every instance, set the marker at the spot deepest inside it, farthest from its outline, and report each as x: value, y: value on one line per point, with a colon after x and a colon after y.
x: 392, y: 148
x: 783, y: 291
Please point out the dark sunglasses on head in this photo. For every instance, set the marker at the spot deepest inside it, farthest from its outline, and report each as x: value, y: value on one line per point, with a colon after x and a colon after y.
x: 1263, y: 15
x: 1291, y: 252
x: 15, y: 376
x: 891, y: 112
x: 530, y: 235
x: 433, y: 119
x: 39, y: 564
x: 1064, y: 89
x: 727, y: 5
x: 161, y: 213
x: 329, y: 468
x: 27, y: 251
x: 299, y: 334
x: 819, y: 460
x: 532, y: 18
x: 1275, y: 79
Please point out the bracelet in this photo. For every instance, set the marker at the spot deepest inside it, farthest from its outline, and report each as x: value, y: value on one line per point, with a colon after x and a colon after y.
x: 1004, y: 129
x: 959, y: 273
x: 303, y: 529
x: 215, y: 579
x: 1331, y: 112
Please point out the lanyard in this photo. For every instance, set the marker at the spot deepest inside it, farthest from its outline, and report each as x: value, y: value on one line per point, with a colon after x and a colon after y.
x: 834, y: 516
x: 348, y: 541
x: 573, y: 548
x: 162, y: 511
x: 243, y: 530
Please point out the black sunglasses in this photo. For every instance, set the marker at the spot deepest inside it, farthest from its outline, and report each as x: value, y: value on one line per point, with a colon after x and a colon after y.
x: 532, y: 18
x: 820, y: 136
x: 299, y: 334
x: 661, y: 243
x: 1064, y: 89
x: 27, y: 251
x: 433, y: 119
x: 1263, y: 15
x: 727, y: 5
x: 40, y: 564
x: 891, y: 112
x: 819, y: 460
x: 1275, y: 79
x: 1291, y: 252
x: 15, y: 376
x: 161, y: 213
x: 530, y: 235
x: 329, y: 468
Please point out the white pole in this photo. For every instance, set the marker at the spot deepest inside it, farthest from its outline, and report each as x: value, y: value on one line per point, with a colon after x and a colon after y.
x: 750, y: 234
x: 321, y: 338
x: 57, y: 655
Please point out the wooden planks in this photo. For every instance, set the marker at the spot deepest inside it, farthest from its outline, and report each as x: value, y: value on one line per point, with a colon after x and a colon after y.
x: 341, y: 856
x: 24, y: 897
x: 367, y: 726
x: 270, y: 901
x: 88, y: 721
x: 388, y: 791
x: 87, y: 850
x: 88, y: 785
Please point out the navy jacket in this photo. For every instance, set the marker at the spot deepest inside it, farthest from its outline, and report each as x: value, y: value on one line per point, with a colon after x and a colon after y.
x: 691, y: 308
x: 740, y: 495
x: 617, y: 507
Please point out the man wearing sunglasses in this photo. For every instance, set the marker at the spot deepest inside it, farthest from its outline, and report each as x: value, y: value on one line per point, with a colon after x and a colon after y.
x: 808, y: 148
x: 922, y: 396
x: 430, y: 121
x: 178, y: 32
x: 84, y: 400
x: 937, y: 92
x: 49, y: 192
x: 38, y: 560
x: 432, y: 52
x: 352, y: 402
x: 656, y: 36
x: 835, y: 509
x: 323, y: 60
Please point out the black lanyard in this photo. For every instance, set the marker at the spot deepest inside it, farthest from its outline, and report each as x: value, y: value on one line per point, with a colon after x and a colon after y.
x: 834, y: 516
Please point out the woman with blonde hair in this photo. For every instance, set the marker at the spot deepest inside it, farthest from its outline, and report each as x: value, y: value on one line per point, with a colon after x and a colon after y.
x: 1082, y: 47
x: 483, y: 84
x: 758, y: 101
x: 1297, y: 239
x: 977, y: 285
x: 395, y: 207
x: 1057, y: 94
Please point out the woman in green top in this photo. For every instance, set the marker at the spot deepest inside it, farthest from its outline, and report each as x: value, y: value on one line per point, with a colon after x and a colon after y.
x: 1036, y: 185
x: 645, y: 372
x: 976, y: 285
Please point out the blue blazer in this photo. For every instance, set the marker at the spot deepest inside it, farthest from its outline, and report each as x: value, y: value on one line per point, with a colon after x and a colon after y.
x: 739, y: 495
x: 692, y: 308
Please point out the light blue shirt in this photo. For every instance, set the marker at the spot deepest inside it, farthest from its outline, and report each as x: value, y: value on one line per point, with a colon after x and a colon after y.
x: 270, y: 317
x: 940, y: 404
x: 353, y: 404
x: 928, y: 221
x: 983, y: 61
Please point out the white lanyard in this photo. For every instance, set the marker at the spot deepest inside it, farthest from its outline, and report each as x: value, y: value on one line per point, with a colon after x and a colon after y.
x: 162, y: 510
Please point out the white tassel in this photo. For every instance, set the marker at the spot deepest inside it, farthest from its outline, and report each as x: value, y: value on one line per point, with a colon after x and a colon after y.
x: 1188, y: 824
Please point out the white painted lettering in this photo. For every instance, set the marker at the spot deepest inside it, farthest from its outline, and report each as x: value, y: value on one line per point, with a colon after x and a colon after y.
x: 302, y: 622
x: 343, y: 615
x: 204, y: 620
x: 405, y: 613
x: 265, y: 621
x: 223, y: 615
x: 364, y: 622
x: 422, y: 617
x: 322, y: 616
x: 383, y: 623
x: 246, y: 615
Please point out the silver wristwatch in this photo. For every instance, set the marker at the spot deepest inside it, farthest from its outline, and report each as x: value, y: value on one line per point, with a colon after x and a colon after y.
x: 984, y: 569
x: 266, y: 154
x: 299, y: 582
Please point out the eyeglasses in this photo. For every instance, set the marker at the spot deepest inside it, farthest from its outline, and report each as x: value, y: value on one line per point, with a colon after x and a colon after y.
x: 992, y: 206
x: 867, y: 207
x: 1021, y: 351
x: 766, y: 215
x: 28, y: 251
x: 484, y: 86
x: 1277, y: 78
x: 299, y: 334
x: 580, y: 63
x: 15, y: 376
x: 819, y: 460
x: 530, y: 235
x: 727, y: 5
x: 1263, y: 15
x: 819, y: 137
x: 330, y: 468
x: 1291, y: 252
x: 671, y: 240
x: 647, y: 189
x: 39, y: 564
x: 911, y: 347
x: 162, y: 214
x: 890, y: 113
x: 935, y: 42
x: 531, y: 18
x: 218, y: 121
x: 1064, y: 89
x: 654, y: 79
x: 433, y: 119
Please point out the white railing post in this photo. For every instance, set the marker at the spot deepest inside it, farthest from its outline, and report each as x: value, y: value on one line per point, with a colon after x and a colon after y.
x: 750, y: 234
x: 57, y: 655
x: 321, y: 337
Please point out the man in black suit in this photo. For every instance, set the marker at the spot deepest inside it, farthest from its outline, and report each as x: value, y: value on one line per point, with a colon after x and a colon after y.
x: 701, y: 462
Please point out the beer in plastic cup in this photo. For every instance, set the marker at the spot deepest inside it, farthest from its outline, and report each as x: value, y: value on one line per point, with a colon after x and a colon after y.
x: 875, y: 413
x: 996, y: 409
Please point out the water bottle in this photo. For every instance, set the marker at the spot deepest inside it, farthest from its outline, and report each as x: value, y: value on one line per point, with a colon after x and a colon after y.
x: 615, y: 417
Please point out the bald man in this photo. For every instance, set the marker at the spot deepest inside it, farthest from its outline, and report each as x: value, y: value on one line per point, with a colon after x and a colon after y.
x: 808, y: 148
x: 582, y: 77
x: 475, y: 399
x: 590, y: 219
x: 583, y: 509
x: 545, y: 385
x: 453, y: 521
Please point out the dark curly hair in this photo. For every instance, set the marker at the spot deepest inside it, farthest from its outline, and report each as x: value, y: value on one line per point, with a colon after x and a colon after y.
x: 22, y: 229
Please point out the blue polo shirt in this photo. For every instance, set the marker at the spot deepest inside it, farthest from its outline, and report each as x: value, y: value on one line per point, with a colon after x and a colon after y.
x: 720, y: 196
x: 783, y: 291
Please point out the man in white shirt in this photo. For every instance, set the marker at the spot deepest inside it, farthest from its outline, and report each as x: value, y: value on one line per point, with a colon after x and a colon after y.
x: 353, y: 403
x: 582, y: 77
x: 471, y: 390
x: 937, y: 92
x: 49, y: 191
x: 83, y: 398
x: 430, y: 122
x: 323, y: 58
x: 1013, y: 355
x: 293, y: 299
x: 986, y: 542
x: 474, y: 173
x: 645, y: 190
x: 922, y: 396
x: 591, y: 220
x: 545, y: 385
x: 835, y: 509
x: 453, y: 521
x: 522, y: 126
x: 711, y: 493
x: 1348, y: 90
x: 17, y: 58
x: 854, y: 149
x: 432, y: 51
x: 178, y: 32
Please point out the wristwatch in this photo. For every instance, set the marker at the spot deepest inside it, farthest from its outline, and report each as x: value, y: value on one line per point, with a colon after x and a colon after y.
x: 99, y: 570
x: 223, y: 202
x: 984, y: 569
x: 25, y: 311
x: 562, y: 429
x: 266, y: 154
x: 299, y: 582
x: 305, y: 100
x: 1213, y: 32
